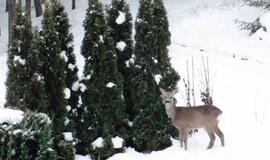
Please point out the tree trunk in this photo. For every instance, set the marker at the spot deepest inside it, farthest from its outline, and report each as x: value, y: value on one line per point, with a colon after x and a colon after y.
x: 73, y: 4
x: 11, y: 12
x: 38, y: 7
x: 28, y: 7
x: 20, y: 3
x: 7, y: 5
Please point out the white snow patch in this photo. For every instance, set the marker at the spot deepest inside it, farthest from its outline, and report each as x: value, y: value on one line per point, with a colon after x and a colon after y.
x: 117, y: 142
x: 71, y: 66
x: 67, y: 93
x: 10, y: 116
x: 98, y: 143
x: 121, y: 18
x: 101, y: 39
x: 19, y: 59
x: 110, y: 85
x: 121, y: 46
x: 158, y: 78
x: 75, y: 86
x: 81, y: 157
x: 63, y: 56
x: 68, y: 107
x: 83, y: 87
x: 68, y: 136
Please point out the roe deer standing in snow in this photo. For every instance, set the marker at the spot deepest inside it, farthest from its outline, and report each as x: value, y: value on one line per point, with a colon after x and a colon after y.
x: 185, y: 118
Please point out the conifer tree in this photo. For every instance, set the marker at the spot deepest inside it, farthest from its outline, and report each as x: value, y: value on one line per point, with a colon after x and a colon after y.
x: 62, y: 25
x: 53, y: 71
x: 18, y: 51
x: 160, y: 30
x: 35, y: 98
x: 120, y: 29
x: 150, y: 123
x: 103, y: 117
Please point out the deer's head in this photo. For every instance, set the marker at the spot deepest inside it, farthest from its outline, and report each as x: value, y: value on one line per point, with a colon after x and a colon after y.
x: 168, y: 99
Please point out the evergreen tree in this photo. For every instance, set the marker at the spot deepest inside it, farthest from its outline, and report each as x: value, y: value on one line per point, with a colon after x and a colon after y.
x: 18, y: 51
x: 53, y: 71
x: 104, y: 116
x: 62, y: 25
x: 160, y: 30
x: 120, y: 29
x: 150, y: 123
x: 35, y: 98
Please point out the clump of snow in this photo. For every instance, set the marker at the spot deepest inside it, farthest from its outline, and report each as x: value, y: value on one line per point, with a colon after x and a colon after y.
x: 67, y: 93
x: 66, y: 122
x: 63, y: 56
x: 117, y: 142
x: 121, y: 46
x: 82, y: 87
x: 75, y: 86
x: 68, y: 107
x: 158, y: 78
x: 19, y: 59
x: 98, y: 143
x: 68, y: 136
x: 81, y: 157
x: 71, y: 66
x: 10, y: 116
x: 110, y: 85
x: 121, y: 18
x: 101, y: 39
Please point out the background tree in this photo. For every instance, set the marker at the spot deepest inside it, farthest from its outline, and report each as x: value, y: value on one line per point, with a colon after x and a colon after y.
x: 53, y: 71
x: 38, y: 7
x: 18, y: 52
x: 104, y: 116
x: 73, y: 4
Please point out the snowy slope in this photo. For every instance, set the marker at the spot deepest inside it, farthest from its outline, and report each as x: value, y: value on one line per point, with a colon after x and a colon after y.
x: 240, y: 87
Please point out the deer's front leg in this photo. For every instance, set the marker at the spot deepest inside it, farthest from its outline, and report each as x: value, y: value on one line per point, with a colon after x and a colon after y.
x: 184, y: 135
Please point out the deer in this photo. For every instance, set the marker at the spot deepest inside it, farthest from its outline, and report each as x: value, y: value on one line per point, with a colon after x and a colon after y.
x: 186, y: 118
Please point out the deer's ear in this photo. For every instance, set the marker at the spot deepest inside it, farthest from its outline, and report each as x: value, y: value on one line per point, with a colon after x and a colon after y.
x: 162, y: 91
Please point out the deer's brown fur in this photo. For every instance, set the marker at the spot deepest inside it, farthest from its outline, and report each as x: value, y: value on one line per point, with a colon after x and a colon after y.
x: 186, y: 118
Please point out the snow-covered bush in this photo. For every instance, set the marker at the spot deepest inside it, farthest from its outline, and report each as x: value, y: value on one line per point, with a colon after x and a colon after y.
x: 27, y: 140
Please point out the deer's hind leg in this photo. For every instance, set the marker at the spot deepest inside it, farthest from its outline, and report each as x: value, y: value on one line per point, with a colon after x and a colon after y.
x: 212, y: 136
x: 220, y: 134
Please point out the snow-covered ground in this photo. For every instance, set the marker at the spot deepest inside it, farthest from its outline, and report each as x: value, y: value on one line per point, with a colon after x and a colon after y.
x: 204, y: 28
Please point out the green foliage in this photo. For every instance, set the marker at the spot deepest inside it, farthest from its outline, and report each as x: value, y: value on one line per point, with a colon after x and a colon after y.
x: 121, y: 32
x: 29, y: 140
x: 150, y: 122
x: 54, y: 73
x: 62, y: 26
x: 18, y: 52
x: 102, y: 100
x: 149, y: 129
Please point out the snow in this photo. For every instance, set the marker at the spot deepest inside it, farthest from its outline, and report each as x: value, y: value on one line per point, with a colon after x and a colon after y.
x: 121, y: 18
x: 71, y: 66
x: 82, y: 87
x: 19, y: 59
x: 80, y: 157
x: 158, y: 78
x: 68, y: 136
x: 121, y: 46
x: 117, y: 142
x: 64, y: 56
x: 10, y: 116
x: 75, y: 86
x: 98, y: 143
x: 110, y: 85
x: 67, y: 93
